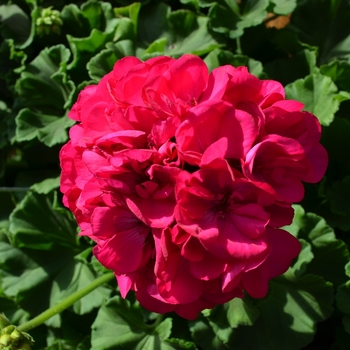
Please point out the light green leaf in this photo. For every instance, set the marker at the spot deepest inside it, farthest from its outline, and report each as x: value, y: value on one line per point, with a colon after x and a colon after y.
x: 49, y: 129
x: 120, y: 325
x: 164, y: 328
x: 46, y: 186
x: 284, y: 7
x: 319, y: 94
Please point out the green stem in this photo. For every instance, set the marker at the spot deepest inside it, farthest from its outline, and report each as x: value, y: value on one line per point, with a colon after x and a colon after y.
x: 239, y: 48
x: 64, y: 304
x: 14, y: 189
x: 159, y: 319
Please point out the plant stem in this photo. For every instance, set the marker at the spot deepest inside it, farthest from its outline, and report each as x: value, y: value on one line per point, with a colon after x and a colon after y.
x: 14, y: 189
x: 239, y: 48
x: 64, y: 304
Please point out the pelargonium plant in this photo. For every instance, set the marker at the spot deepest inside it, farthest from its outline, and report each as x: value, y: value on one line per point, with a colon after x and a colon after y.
x: 184, y: 179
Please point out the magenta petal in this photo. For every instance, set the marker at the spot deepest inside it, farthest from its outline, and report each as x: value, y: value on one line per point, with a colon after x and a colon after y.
x: 284, y: 248
x: 154, y: 213
x: 188, y: 77
x: 125, y: 237
x: 208, y: 268
x: 174, y: 281
x: 124, y: 284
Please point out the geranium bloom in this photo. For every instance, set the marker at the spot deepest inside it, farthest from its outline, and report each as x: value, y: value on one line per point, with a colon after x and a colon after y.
x: 184, y: 179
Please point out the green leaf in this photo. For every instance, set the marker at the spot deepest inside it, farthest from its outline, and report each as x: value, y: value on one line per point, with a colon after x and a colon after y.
x: 219, y: 57
x: 79, y: 22
x: 324, y: 24
x: 46, y: 186
x: 37, y: 280
x: 339, y: 71
x: 339, y: 197
x: 288, y: 315
x: 188, y: 33
x: 296, y: 66
x: 103, y: 62
x: 152, y: 22
x: 43, y: 85
x: 75, y: 276
x: 343, y: 300
x: 173, y: 33
x: 304, y: 258
x: 233, y: 18
x: 12, y: 311
x: 325, y: 247
x: 131, y: 12
x: 204, y: 336
x: 181, y: 344
x: 15, y: 24
x: 233, y: 314
x: 119, y: 317
x: 49, y: 129
x: 318, y: 93
x: 11, y: 62
x: 85, y: 48
x: 336, y: 139
x: 38, y: 222
x: 283, y: 7
x: 299, y: 303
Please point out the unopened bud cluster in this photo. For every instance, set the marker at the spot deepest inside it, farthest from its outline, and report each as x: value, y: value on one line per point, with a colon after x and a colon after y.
x: 49, y: 22
x: 11, y: 338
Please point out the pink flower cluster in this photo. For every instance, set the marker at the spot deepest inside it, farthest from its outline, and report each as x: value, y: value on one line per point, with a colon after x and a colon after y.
x: 184, y: 178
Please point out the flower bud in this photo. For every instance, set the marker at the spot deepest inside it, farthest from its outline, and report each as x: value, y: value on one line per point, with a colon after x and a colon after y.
x: 49, y: 22
x: 16, y: 335
x: 5, y: 340
x: 8, y: 330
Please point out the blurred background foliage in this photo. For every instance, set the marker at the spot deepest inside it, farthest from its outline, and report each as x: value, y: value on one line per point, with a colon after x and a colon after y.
x: 50, y: 50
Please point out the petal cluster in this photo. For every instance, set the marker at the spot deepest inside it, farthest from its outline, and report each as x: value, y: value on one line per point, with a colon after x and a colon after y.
x: 184, y: 179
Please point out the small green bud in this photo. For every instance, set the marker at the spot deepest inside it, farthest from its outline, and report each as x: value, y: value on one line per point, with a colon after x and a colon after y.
x: 4, y: 321
x: 8, y: 330
x: 16, y: 335
x: 5, y: 340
